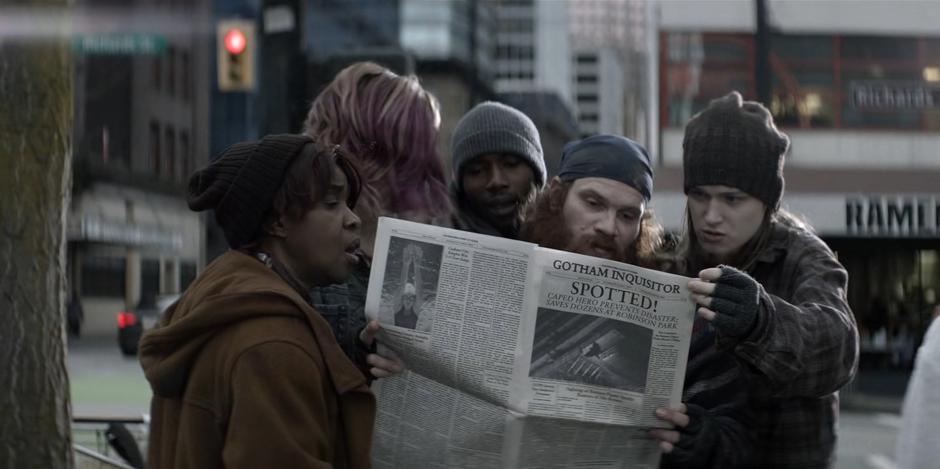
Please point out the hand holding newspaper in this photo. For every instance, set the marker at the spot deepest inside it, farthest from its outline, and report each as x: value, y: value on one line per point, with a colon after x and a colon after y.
x: 521, y: 356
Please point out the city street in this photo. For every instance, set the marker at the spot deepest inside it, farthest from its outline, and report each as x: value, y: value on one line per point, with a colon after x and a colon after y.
x: 106, y: 383
x: 103, y: 381
x: 866, y: 440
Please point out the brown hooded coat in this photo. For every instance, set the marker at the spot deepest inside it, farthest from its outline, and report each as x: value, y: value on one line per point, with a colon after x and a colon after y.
x: 245, y: 373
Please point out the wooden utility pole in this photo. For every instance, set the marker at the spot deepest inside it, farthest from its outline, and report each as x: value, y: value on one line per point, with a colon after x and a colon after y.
x: 35, y: 182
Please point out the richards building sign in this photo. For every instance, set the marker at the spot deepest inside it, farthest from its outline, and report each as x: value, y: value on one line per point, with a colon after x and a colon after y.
x: 893, y: 215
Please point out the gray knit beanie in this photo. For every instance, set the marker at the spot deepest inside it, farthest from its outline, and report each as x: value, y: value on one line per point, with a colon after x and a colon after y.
x: 492, y: 127
x: 735, y: 143
x: 239, y: 185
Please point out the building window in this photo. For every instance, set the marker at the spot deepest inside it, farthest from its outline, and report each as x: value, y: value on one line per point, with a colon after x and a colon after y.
x: 103, y: 276
x: 149, y: 282
x: 509, y: 52
x: 170, y: 152
x: 186, y: 87
x: 587, y: 97
x: 187, y: 274
x: 818, y: 81
x: 155, y: 147
x: 156, y: 70
x: 804, y: 94
x: 588, y: 117
x: 587, y: 59
x: 587, y: 78
x: 185, y: 155
x: 701, y: 67
x: 892, y: 294
x: 171, y: 71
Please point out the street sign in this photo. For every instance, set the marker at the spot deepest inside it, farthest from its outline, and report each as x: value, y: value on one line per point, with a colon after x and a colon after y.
x: 119, y: 44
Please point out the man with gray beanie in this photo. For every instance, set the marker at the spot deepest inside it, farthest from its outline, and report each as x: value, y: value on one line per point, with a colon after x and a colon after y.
x: 770, y: 292
x: 597, y: 205
x: 498, y: 169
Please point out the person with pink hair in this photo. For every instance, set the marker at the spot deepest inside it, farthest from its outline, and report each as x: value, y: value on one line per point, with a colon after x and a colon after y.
x: 389, y: 123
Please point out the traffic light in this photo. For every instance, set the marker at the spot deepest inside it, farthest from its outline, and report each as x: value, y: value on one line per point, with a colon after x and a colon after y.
x: 236, y: 44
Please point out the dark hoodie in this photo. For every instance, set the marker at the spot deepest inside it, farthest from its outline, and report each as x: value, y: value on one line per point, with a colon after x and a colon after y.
x: 245, y: 373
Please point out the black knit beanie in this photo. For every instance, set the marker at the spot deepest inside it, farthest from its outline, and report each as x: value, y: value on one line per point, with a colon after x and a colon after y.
x: 492, y: 127
x: 239, y: 185
x: 735, y: 143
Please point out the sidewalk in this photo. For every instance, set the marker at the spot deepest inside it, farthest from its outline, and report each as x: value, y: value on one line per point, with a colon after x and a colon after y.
x: 878, y: 390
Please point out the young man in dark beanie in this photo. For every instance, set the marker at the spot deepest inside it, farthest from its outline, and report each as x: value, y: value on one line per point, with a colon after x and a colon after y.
x: 244, y: 371
x: 597, y: 205
x: 498, y: 169
x: 772, y: 292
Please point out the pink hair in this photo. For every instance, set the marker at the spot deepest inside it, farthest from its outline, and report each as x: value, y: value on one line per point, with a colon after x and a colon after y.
x: 390, y: 125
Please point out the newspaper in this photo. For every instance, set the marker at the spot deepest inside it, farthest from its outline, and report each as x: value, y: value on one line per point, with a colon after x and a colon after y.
x: 520, y: 356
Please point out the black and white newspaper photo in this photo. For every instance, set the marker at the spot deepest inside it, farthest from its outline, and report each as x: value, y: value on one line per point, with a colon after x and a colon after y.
x: 410, y: 287
x: 520, y: 356
x: 603, y: 352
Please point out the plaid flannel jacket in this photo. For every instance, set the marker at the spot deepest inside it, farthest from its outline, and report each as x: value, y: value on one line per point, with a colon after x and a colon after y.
x: 802, y: 350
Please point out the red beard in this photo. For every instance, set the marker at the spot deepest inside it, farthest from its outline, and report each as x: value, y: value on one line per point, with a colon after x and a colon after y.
x: 547, y: 227
x: 597, y: 245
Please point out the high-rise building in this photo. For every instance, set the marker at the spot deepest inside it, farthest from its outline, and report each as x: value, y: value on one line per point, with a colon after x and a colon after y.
x: 452, y: 45
x: 533, y: 52
x: 459, y: 30
x: 611, y: 63
x: 532, y: 56
x: 333, y: 27
x: 598, y: 76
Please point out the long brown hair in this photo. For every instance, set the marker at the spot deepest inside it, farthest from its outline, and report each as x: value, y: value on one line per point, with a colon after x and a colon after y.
x: 543, y: 227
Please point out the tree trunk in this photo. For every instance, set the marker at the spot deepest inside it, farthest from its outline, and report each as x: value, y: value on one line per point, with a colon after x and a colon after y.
x: 35, y: 182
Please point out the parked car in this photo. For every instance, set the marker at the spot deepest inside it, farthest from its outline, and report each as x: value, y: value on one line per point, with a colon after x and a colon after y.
x: 132, y: 324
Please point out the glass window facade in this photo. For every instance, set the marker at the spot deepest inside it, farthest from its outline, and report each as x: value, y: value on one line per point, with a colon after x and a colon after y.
x: 892, y: 290
x: 818, y: 81
x: 103, y: 276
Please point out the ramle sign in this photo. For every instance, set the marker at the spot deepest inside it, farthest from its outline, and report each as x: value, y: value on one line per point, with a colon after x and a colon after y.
x: 892, y: 215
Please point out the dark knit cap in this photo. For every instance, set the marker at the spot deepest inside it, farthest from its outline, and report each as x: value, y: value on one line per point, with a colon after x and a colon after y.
x: 492, y: 127
x: 239, y: 185
x: 735, y: 143
x: 611, y: 157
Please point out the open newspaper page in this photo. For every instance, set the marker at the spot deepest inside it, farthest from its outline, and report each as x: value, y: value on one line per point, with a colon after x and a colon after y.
x: 609, y: 341
x: 498, y: 375
x: 451, y: 304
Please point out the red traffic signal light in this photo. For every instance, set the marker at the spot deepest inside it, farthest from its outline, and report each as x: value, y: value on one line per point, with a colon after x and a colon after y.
x: 235, y: 41
x: 235, y: 52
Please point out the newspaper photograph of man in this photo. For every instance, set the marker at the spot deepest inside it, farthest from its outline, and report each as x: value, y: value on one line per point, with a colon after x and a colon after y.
x: 604, y: 352
x: 406, y: 316
x: 410, y: 285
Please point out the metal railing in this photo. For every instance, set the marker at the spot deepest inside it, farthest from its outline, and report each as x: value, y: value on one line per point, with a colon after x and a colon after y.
x: 104, y: 441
